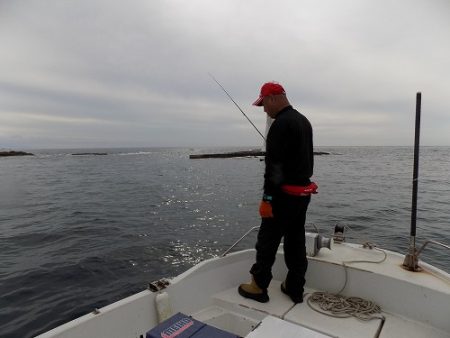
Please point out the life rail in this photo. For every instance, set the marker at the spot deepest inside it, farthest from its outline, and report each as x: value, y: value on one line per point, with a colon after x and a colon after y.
x: 240, y: 239
x: 432, y: 242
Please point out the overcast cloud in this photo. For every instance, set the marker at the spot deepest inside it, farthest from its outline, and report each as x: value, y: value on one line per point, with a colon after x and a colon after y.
x: 107, y: 73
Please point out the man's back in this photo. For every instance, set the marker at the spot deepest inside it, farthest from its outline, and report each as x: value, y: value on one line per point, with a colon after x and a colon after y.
x: 289, y: 156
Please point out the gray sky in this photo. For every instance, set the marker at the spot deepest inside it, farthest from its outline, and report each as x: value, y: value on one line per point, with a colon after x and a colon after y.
x: 106, y: 73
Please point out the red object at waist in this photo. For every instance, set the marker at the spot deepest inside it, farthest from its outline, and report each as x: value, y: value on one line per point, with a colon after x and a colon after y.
x: 298, y: 190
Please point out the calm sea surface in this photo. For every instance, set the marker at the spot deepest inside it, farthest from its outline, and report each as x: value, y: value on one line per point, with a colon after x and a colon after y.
x: 80, y: 232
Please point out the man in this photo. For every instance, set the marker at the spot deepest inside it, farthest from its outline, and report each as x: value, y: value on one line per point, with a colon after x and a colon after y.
x: 287, y: 193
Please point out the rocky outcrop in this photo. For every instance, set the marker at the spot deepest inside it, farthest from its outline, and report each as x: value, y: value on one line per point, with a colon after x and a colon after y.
x: 227, y: 155
x: 14, y: 153
x: 84, y: 154
x: 241, y: 154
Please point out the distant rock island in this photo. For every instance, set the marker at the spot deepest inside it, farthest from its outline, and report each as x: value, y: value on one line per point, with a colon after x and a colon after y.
x: 14, y: 153
x: 84, y: 154
x: 244, y: 153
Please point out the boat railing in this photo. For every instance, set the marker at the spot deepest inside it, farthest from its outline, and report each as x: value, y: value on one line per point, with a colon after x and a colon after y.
x: 432, y: 242
x: 239, y: 240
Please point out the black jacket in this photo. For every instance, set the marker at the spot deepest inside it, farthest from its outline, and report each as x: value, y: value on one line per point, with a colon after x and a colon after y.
x: 289, y: 151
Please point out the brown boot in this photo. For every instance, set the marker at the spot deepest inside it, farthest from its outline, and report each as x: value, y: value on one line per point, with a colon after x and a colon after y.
x: 253, y: 291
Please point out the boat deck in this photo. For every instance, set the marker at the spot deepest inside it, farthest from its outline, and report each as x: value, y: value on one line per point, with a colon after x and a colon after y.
x: 413, y: 305
x: 280, y: 317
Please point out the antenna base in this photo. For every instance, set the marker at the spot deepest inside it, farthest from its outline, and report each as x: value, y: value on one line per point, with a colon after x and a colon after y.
x: 411, y: 262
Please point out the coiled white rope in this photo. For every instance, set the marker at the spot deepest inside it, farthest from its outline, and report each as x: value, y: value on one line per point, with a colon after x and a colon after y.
x: 343, y: 307
x: 339, y: 306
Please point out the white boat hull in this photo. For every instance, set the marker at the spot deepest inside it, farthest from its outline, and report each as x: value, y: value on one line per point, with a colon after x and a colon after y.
x: 414, y: 304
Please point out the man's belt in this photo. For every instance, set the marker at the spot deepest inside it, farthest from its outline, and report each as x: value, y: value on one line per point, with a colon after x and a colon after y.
x: 298, y: 190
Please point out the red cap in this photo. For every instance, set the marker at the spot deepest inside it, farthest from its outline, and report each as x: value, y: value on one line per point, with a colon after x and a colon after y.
x: 269, y: 88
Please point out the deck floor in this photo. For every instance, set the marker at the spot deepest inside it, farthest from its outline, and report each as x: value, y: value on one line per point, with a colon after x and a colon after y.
x: 251, y: 314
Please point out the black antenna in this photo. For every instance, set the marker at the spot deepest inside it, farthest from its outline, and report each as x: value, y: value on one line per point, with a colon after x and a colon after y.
x: 411, y: 259
x: 237, y: 105
x: 416, y: 166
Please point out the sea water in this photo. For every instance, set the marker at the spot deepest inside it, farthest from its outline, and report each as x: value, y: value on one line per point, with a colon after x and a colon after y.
x: 80, y: 232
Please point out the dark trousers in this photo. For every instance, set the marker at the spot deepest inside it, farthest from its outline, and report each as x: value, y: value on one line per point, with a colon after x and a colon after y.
x: 288, y: 222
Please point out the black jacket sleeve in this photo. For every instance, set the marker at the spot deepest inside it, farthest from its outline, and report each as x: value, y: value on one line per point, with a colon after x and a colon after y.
x: 275, y: 158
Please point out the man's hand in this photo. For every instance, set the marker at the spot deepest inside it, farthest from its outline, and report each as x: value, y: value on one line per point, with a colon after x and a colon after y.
x: 265, y: 209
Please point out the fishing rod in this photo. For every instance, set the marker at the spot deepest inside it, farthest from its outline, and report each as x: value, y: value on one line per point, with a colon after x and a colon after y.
x: 236, y: 105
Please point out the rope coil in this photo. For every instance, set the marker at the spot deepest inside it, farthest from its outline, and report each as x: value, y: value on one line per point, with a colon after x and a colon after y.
x: 343, y: 307
x: 339, y: 306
